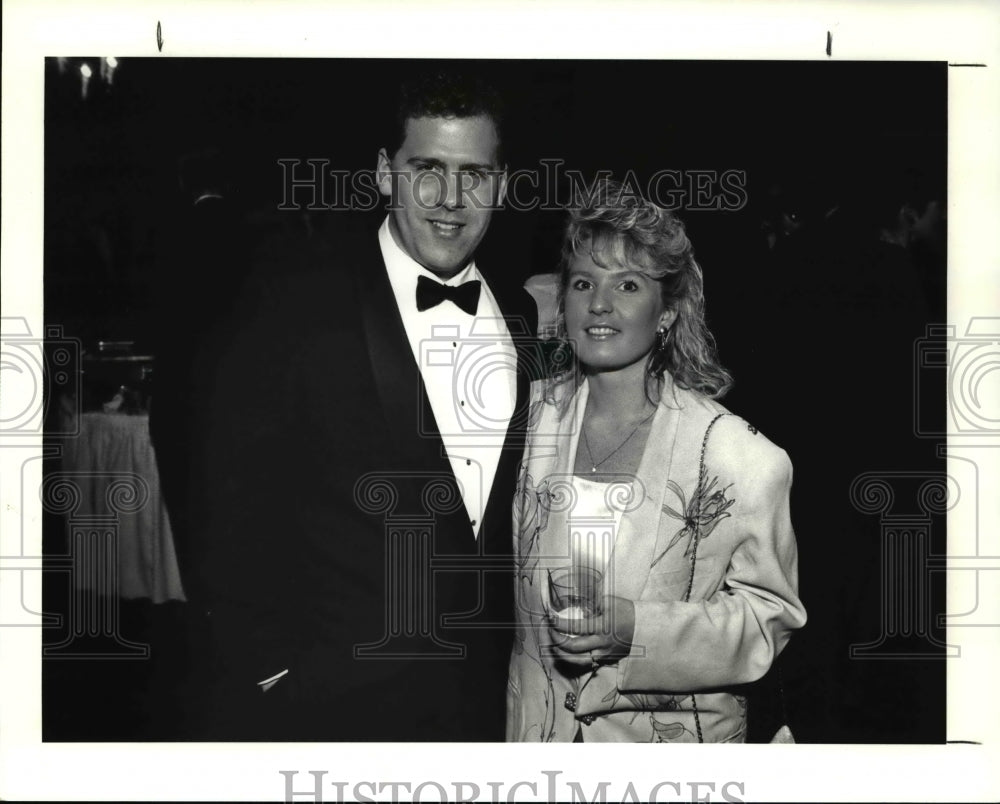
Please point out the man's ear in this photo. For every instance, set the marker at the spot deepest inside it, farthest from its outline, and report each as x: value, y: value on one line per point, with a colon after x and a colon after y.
x: 383, y: 173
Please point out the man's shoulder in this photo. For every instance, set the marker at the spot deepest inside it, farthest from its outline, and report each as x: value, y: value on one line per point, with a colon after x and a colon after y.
x: 306, y: 261
x: 320, y: 244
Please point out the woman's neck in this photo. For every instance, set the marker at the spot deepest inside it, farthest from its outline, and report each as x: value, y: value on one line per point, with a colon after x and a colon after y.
x: 619, y: 394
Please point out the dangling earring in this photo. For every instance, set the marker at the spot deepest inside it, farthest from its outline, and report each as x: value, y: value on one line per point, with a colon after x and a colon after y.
x: 658, y: 357
x: 661, y: 339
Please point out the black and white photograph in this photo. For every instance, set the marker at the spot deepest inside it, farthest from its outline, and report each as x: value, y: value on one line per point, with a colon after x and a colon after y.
x: 421, y: 404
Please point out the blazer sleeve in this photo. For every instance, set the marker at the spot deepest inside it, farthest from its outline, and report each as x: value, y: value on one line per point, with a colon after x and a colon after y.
x: 733, y: 636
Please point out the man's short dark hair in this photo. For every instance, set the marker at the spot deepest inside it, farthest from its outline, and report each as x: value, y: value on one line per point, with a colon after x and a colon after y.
x: 443, y: 93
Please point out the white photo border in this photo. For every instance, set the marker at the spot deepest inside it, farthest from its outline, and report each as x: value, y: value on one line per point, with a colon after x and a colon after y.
x: 960, y: 33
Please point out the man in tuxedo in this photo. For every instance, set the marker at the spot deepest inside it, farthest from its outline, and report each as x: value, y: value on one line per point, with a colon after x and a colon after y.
x: 352, y: 555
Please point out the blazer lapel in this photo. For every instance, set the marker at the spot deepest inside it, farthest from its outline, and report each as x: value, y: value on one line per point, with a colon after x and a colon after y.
x: 693, y: 416
x: 554, y: 467
x: 634, y: 547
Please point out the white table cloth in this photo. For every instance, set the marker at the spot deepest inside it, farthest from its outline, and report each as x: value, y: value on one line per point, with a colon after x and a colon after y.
x: 115, y: 448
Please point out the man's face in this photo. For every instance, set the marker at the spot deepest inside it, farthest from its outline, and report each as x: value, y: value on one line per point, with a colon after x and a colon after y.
x: 444, y: 182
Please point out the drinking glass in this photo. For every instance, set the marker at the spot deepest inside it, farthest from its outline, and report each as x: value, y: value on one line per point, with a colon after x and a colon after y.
x: 575, y: 592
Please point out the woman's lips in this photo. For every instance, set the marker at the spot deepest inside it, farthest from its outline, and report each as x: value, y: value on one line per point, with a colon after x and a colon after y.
x: 601, y: 332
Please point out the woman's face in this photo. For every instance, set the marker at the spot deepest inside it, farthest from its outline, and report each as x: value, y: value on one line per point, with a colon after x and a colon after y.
x: 612, y: 314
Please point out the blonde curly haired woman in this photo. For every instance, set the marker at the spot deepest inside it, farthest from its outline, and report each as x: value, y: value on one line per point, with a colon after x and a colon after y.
x: 675, y: 511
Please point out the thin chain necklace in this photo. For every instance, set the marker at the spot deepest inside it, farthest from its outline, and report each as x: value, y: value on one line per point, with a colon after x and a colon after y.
x: 586, y: 443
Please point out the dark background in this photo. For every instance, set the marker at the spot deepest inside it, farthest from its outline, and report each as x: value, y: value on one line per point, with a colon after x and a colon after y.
x: 819, y: 330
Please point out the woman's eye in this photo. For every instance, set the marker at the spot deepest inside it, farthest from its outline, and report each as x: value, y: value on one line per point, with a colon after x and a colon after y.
x: 581, y: 284
x: 630, y: 286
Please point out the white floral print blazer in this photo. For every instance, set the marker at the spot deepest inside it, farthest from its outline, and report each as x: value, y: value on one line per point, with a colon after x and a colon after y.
x: 698, y: 633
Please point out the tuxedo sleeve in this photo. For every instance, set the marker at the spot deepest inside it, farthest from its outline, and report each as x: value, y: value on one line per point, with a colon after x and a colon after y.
x: 242, y: 531
x: 293, y: 563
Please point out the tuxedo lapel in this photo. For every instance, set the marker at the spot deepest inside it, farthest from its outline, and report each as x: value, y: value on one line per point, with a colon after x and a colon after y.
x: 517, y: 308
x: 403, y: 400
x: 416, y: 440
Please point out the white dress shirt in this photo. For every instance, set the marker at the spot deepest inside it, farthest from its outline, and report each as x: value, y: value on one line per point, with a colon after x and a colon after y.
x: 468, y: 364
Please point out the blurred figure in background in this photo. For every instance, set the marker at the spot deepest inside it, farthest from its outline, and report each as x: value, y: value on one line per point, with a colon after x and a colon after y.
x: 202, y: 261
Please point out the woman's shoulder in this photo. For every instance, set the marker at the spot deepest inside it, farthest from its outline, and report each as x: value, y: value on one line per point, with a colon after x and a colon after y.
x: 731, y: 441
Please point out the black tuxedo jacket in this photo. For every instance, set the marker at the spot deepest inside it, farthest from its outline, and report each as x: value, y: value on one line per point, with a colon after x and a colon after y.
x: 330, y: 538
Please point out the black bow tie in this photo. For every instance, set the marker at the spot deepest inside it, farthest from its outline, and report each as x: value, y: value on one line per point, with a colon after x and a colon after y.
x: 431, y: 294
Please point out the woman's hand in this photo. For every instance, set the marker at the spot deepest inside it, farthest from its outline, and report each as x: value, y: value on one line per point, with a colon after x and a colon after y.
x: 594, y: 640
